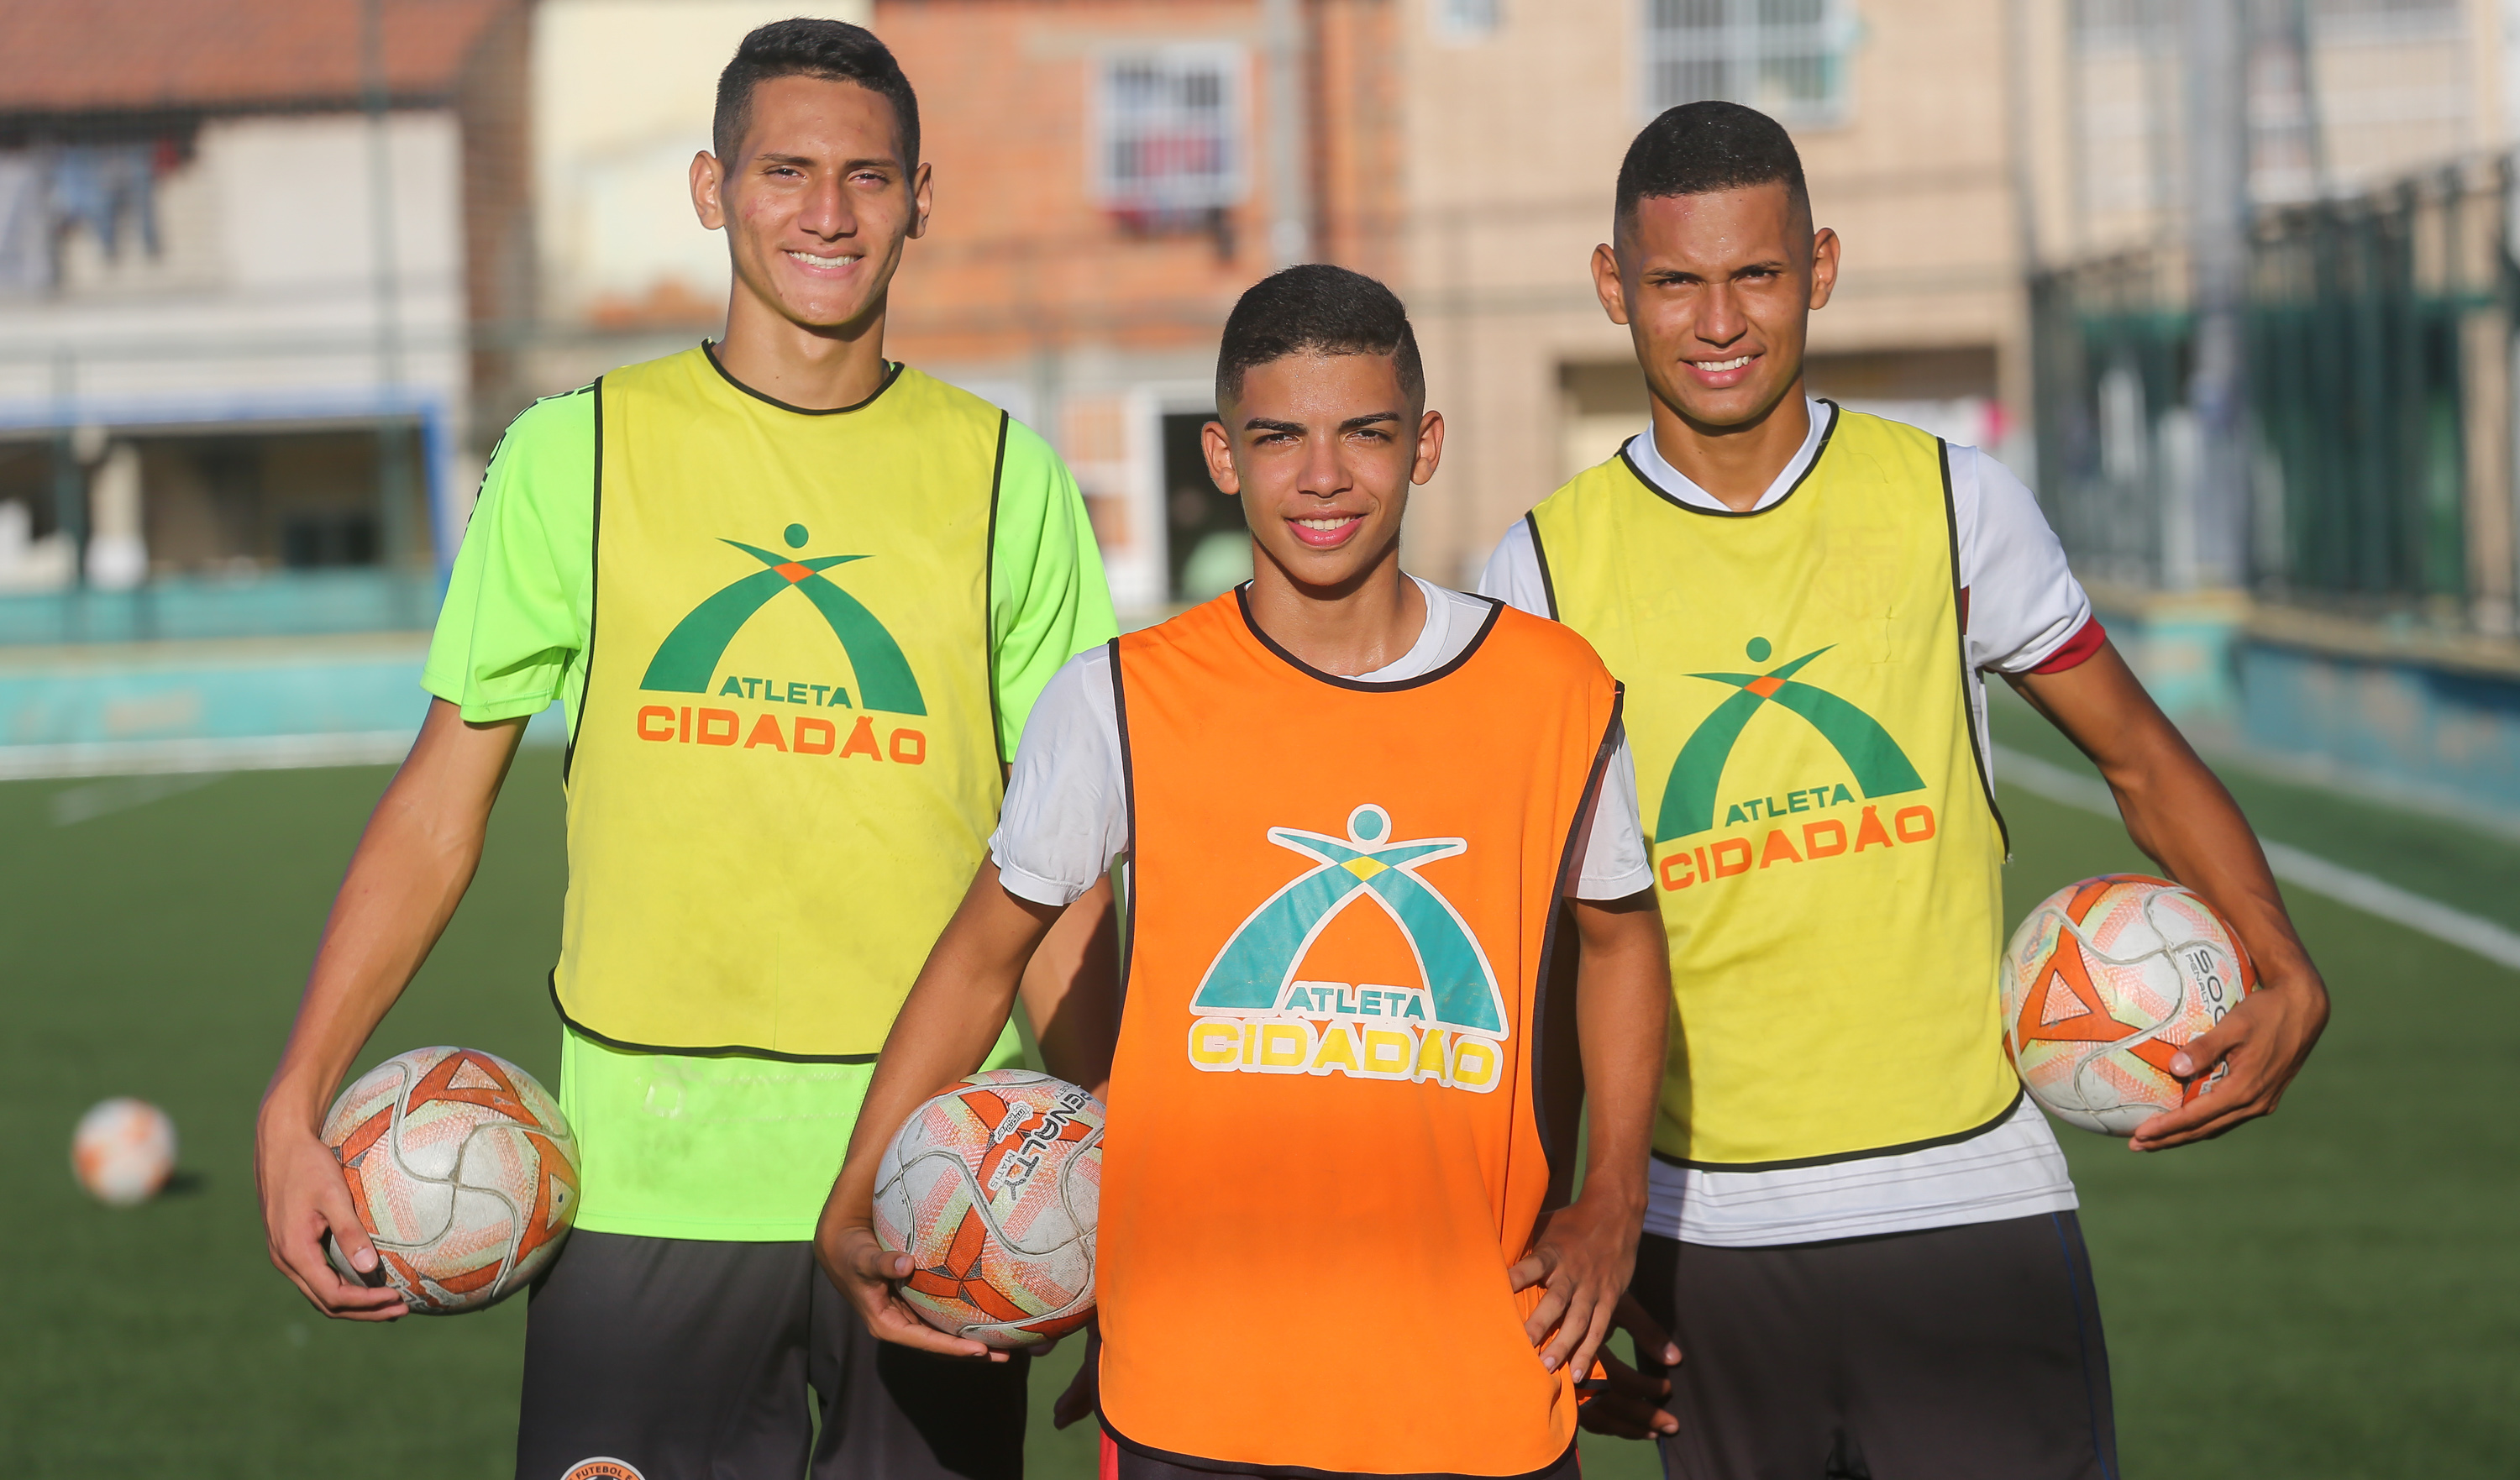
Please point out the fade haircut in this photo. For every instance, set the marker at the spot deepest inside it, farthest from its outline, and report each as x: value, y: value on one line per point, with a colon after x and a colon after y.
x: 833, y: 50
x: 1700, y: 148
x: 1316, y: 309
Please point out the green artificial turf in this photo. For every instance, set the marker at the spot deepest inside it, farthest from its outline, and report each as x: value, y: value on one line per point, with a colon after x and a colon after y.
x: 2333, y: 1293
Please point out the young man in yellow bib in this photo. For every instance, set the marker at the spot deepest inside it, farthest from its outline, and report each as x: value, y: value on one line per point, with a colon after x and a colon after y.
x: 1860, y: 1232
x: 795, y: 602
x: 1362, y: 815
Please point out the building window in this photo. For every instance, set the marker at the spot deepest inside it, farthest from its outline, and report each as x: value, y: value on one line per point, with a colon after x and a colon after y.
x: 1466, y: 20
x: 1785, y: 58
x: 1170, y: 134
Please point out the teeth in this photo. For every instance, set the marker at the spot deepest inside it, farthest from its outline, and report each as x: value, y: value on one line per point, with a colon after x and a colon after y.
x: 811, y: 260
x: 1718, y: 367
x: 1330, y: 524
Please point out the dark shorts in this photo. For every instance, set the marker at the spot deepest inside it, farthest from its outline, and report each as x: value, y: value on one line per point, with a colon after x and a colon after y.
x: 1121, y: 1463
x: 1967, y: 1352
x: 690, y: 1360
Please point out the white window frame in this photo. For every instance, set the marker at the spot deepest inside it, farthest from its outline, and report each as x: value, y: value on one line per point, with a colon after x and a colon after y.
x: 1182, y: 198
x: 1744, y: 44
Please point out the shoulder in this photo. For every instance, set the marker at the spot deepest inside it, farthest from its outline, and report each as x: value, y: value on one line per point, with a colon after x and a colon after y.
x: 921, y: 393
x: 1854, y: 430
x: 568, y: 417
x: 1552, y: 644
x: 1606, y: 479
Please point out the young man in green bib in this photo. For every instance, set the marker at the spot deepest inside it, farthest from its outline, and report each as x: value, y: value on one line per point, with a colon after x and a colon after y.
x: 1859, y: 1231
x: 795, y: 602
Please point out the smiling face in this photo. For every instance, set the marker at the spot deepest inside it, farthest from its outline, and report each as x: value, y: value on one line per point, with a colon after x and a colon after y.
x: 1717, y: 291
x: 1321, y: 449
x: 816, y: 202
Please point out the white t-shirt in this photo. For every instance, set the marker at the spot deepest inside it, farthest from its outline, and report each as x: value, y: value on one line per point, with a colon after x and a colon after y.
x: 1066, y: 813
x: 2023, y: 610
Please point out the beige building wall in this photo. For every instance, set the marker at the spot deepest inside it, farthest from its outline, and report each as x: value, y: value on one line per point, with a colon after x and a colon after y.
x: 1514, y: 139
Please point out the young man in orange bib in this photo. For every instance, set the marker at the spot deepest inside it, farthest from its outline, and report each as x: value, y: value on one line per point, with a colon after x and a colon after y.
x: 1861, y: 1232
x: 1365, y: 818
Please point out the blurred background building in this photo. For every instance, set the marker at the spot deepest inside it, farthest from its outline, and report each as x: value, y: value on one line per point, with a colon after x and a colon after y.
x: 2229, y: 281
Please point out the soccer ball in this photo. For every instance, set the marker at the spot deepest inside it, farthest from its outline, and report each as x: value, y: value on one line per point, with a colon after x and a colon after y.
x: 992, y: 1186
x: 2103, y: 983
x: 124, y: 1151
x: 462, y: 1171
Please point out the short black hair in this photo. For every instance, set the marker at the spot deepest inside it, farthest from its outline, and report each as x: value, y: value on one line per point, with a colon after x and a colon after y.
x: 833, y: 50
x: 1700, y: 148
x: 1316, y: 308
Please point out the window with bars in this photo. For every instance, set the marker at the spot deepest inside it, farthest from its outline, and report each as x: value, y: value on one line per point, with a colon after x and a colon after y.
x: 1171, y: 132
x: 1785, y: 58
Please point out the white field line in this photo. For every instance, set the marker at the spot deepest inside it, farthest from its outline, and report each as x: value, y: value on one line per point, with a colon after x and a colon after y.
x: 278, y: 752
x: 2374, y: 896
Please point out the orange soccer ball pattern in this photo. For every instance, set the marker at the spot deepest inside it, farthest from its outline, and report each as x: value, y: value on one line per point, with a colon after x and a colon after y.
x: 2103, y: 983
x: 993, y: 1188
x: 463, y: 1172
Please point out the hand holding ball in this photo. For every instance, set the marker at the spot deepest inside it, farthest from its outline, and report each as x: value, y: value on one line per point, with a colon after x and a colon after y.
x: 2103, y: 984
x: 992, y: 1189
x: 463, y: 1173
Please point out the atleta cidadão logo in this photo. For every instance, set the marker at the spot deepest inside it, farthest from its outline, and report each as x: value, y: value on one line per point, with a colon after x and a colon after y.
x: 1258, y: 1019
x: 1690, y: 796
x: 686, y: 661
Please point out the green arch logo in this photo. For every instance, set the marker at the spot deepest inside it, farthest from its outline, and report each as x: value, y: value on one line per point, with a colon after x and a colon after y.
x: 1880, y: 767
x: 687, y: 657
x: 1259, y: 959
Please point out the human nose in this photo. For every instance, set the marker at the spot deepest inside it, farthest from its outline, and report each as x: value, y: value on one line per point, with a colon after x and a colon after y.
x: 1720, y: 320
x: 826, y: 210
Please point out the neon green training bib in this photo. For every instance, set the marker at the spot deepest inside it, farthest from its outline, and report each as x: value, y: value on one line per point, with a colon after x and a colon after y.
x: 1827, y: 857
x: 787, y: 767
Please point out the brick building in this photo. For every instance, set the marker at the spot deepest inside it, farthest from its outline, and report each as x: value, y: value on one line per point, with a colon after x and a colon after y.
x: 258, y: 263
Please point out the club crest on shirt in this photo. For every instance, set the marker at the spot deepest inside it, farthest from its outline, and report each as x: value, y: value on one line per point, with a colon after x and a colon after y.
x: 1255, y: 1017
x: 686, y: 661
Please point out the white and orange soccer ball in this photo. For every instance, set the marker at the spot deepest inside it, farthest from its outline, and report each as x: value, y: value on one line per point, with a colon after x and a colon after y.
x: 2106, y: 980
x: 993, y: 1188
x: 124, y: 1151
x: 462, y: 1171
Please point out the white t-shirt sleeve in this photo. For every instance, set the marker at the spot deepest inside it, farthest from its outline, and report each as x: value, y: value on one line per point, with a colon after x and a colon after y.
x: 1612, y: 839
x: 2024, y: 602
x: 1066, y: 813
x: 1512, y: 574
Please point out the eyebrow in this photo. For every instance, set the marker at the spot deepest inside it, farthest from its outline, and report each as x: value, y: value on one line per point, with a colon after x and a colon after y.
x: 1352, y: 424
x: 875, y: 162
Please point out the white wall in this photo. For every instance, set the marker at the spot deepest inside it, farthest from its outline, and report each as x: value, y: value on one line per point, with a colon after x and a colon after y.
x: 265, y: 300
x: 623, y: 91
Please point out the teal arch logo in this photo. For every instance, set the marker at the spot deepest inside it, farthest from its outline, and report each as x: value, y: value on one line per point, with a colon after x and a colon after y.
x: 689, y: 655
x: 1880, y: 767
x: 1258, y: 963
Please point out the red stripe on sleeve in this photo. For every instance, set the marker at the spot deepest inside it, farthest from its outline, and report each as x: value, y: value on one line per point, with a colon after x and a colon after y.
x: 2078, y: 648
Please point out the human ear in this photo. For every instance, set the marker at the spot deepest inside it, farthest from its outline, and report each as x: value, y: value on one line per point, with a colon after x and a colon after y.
x: 922, y: 199
x: 1218, y: 446
x: 1606, y: 283
x: 708, y: 176
x: 1431, y: 446
x: 1824, y: 277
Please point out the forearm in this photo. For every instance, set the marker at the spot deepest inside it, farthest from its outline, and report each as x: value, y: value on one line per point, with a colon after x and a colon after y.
x: 1071, y: 991
x: 414, y: 860
x: 2174, y: 809
x: 946, y: 1026
x: 1623, y: 1013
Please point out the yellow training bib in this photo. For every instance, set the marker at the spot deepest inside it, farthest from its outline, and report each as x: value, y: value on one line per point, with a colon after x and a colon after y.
x: 786, y: 765
x: 1827, y: 855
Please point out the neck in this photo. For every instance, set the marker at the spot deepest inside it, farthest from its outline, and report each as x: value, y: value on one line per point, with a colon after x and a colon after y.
x: 819, y: 369
x: 1735, y: 464
x: 1365, y: 623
